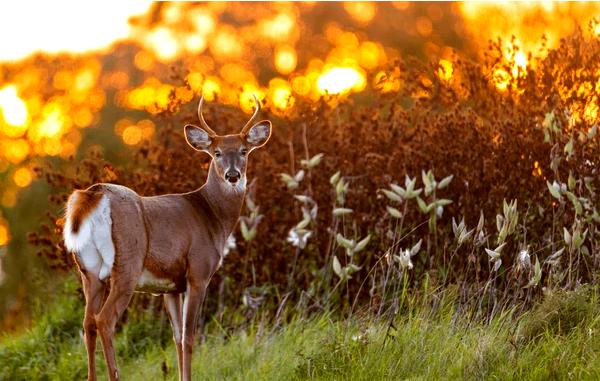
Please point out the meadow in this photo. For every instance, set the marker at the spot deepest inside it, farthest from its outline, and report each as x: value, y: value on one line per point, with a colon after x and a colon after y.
x: 430, y: 340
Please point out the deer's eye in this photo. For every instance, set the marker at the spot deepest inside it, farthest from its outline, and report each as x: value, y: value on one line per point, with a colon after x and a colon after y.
x: 244, y: 151
x: 217, y: 153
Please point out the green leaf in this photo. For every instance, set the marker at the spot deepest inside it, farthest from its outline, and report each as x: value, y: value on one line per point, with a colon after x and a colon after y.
x: 394, y: 212
x: 554, y: 189
x: 481, y: 221
x: 344, y: 242
x: 571, y: 182
x: 315, y: 160
x: 422, y: 205
x: 410, y: 183
x: 248, y: 234
x: 398, y: 190
x: 445, y: 182
x: 341, y: 211
x: 362, y: 244
x: 497, y: 264
x: 302, y: 198
x: 567, y: 236
x: 492, y: 254
x: 537, y: 275
x: 427, y: 181
x: 392, y: 195
x: 333, y: 180
x: 337, y: 267
x: 426, y: 177
x: 499, y: 222
x: 286, y: 178
x: 442, y: 202
x: 289, y: 181
x: 416, y: 248
x: 575, y: 201
x: 299, y: 176
x: 569, y: 147
x: 499, y: 248
x: 352, y: 268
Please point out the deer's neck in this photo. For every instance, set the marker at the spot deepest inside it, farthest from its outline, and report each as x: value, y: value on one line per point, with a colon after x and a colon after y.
x: 224, y: 199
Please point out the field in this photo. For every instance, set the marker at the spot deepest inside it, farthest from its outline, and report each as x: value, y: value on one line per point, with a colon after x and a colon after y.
x: 427, y: 206
x: 429, y: 340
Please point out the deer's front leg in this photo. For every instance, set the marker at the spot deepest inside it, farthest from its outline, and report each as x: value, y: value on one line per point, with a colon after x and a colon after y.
x: 194, y: 297
x: 175, y: 312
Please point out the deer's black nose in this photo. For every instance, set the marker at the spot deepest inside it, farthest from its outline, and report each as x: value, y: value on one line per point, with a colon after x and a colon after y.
x: 232, y: 176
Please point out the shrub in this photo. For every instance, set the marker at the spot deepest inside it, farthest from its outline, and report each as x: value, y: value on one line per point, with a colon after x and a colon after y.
x: 534, y: 142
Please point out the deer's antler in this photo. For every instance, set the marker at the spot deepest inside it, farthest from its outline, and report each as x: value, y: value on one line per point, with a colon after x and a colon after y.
x: 249, y: 122
x: 202, y: 121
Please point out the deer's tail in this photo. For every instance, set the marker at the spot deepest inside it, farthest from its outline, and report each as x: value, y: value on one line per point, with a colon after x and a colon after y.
x: 88, y: 231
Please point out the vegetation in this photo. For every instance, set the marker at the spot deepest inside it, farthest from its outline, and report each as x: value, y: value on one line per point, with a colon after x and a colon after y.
x: 413, y: 190
x: 430, y: 339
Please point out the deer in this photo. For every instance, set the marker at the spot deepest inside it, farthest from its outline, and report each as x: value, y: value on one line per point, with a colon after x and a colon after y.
x: 169, y: 245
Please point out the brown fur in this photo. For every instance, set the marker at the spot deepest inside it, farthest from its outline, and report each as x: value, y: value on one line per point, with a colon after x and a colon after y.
x: 85, y: 203
x: 179, y: 237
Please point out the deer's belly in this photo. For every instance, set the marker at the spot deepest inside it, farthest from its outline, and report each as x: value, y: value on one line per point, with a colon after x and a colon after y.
x: 150, y: 283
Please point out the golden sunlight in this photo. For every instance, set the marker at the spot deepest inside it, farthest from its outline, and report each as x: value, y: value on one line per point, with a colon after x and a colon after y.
x: 4, y: 237
x: 14, y: 112
x: 445, y: 70
x: 339, y: 80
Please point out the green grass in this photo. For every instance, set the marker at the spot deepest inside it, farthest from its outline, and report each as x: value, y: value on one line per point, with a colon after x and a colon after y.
x: 558, y: 339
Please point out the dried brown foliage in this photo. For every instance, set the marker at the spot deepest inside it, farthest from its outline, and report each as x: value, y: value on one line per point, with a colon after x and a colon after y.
x: 488, y: 139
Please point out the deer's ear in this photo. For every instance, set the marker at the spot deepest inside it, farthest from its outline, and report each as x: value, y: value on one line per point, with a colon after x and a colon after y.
x: 197, y: 137
x: 258, y: 135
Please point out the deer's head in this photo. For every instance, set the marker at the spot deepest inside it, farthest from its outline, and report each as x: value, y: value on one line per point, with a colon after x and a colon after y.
x: 229, y: 152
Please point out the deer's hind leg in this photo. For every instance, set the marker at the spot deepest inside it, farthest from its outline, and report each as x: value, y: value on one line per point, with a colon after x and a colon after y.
x: 123, y: 280
x: 116, y: 303
x: 119, y: 296
x: 94, y: 290
x: 128, y: 236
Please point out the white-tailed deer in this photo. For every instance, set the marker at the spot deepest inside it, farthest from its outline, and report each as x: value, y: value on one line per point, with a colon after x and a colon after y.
x: 170, y: 244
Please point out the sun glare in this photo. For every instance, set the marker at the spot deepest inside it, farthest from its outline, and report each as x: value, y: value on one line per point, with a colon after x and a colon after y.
x: 14, y: 112
x: 60, y: 26
x: 339, y: 80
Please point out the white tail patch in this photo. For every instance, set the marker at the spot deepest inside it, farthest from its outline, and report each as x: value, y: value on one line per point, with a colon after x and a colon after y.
x: 93, y: 242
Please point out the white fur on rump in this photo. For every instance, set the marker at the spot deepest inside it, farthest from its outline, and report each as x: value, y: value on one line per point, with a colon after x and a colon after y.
x: 93, y: 242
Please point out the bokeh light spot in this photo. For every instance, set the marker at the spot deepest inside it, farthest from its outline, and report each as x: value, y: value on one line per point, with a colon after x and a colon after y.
x: 14, y: 112
x: 361, y: 11
x: 4, y: 237
x: 22, y: 177
x: 286, y: 59
x: 132, y: 135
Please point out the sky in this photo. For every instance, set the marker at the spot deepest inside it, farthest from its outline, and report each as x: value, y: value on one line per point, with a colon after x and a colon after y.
x: 58, y: 26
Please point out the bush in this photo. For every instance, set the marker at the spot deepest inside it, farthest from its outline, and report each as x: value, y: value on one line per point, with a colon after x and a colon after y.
x: 534, y: 142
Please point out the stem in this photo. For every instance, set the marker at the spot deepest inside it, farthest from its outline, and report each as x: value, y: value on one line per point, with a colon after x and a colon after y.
x: 307, y: 156
x: 292, y: 273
